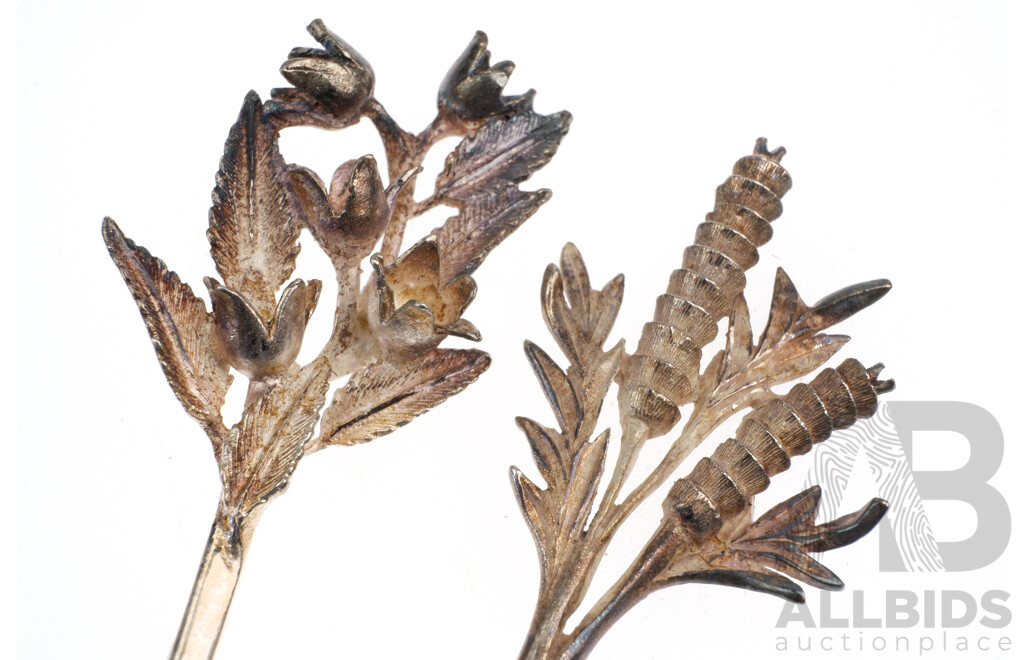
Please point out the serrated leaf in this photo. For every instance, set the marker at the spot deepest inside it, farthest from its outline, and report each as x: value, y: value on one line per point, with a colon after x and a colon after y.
x: 504, y: 151
x: 480, y: 178
x: 557, y: 388
x: 385, y: 396
x: 266, y: 445
x: 549, y: 451
x: 253, y: 238
x: 180, y: 328
x: 482, y: 223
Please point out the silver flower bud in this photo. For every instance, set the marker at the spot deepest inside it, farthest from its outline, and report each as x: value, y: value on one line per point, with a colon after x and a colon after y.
x: 336, y: 77
x: 471, y: 91
x: 410, y: 312
x: 348, y: 219
x: 254, y: 346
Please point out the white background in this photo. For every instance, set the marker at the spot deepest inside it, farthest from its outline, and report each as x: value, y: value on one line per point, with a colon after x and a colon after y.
x: 896, y: 117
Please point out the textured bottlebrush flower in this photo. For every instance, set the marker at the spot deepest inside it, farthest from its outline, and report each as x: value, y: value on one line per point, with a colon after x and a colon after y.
x: 471, y: 91
x: 256, y: 347
x: 413, y: 311
x: 706, y: 534
x: 332, y: 84
x: 347, y: 219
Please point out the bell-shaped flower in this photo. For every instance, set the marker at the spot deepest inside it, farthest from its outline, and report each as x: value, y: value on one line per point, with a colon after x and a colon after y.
x: 410, y: 310
x: 472, y: 90
x: 255, y: 346
x: 332, y: 84
x: 347, y: 219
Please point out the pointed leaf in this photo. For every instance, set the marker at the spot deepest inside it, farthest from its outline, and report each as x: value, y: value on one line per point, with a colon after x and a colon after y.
x: 266, y: 445
x: 782, y: 517
x: 841, y: 305
x: 789, y: 558
x: 709, y: 379
x: 179, y: 326
x: 577, y: 281
x: 794, y: 358
x: 764, y: 582
x: 583, y: 484
x: 786, y: 308
x: 253, y: 238
x: 385, y: 396
x: 739, y: 341
x: 842, y: 531
x: 601, y: 375
x: 535, y: 510
x: 556, y: 314
x: 609, y: 300
x: 779, y: 540
x: 557, y: 388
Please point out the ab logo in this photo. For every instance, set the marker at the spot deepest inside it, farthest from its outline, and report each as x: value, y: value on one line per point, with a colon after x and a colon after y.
x: 907, y: 541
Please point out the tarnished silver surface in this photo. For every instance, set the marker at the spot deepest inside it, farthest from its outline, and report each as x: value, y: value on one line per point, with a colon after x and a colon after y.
x: 387, y: 327
x: 707, y: 534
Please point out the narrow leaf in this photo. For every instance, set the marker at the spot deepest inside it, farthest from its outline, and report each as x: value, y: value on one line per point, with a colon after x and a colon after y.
x: 739, y: 340
x: 535, y: 510
x: 786, y: 308
x: 266, y: 445
x: 385, y: 396
x: 557, y: 388
x: 782, y: 517
x: 842, y: 531
x: 583, y: 483
x: 577, y: 281
x: 556, y: 314
x: 549, y: 452
x: 764, y: 582
x: 841, y: 305
x: 794, y: 358
x: 179, y: 326
x: 253, y: 238
x: 609, y: 300
x: 601, y: 374
x: 789, y: 558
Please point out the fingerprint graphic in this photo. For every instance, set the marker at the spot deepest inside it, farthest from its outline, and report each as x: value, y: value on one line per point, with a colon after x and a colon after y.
x: 877, y: 437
